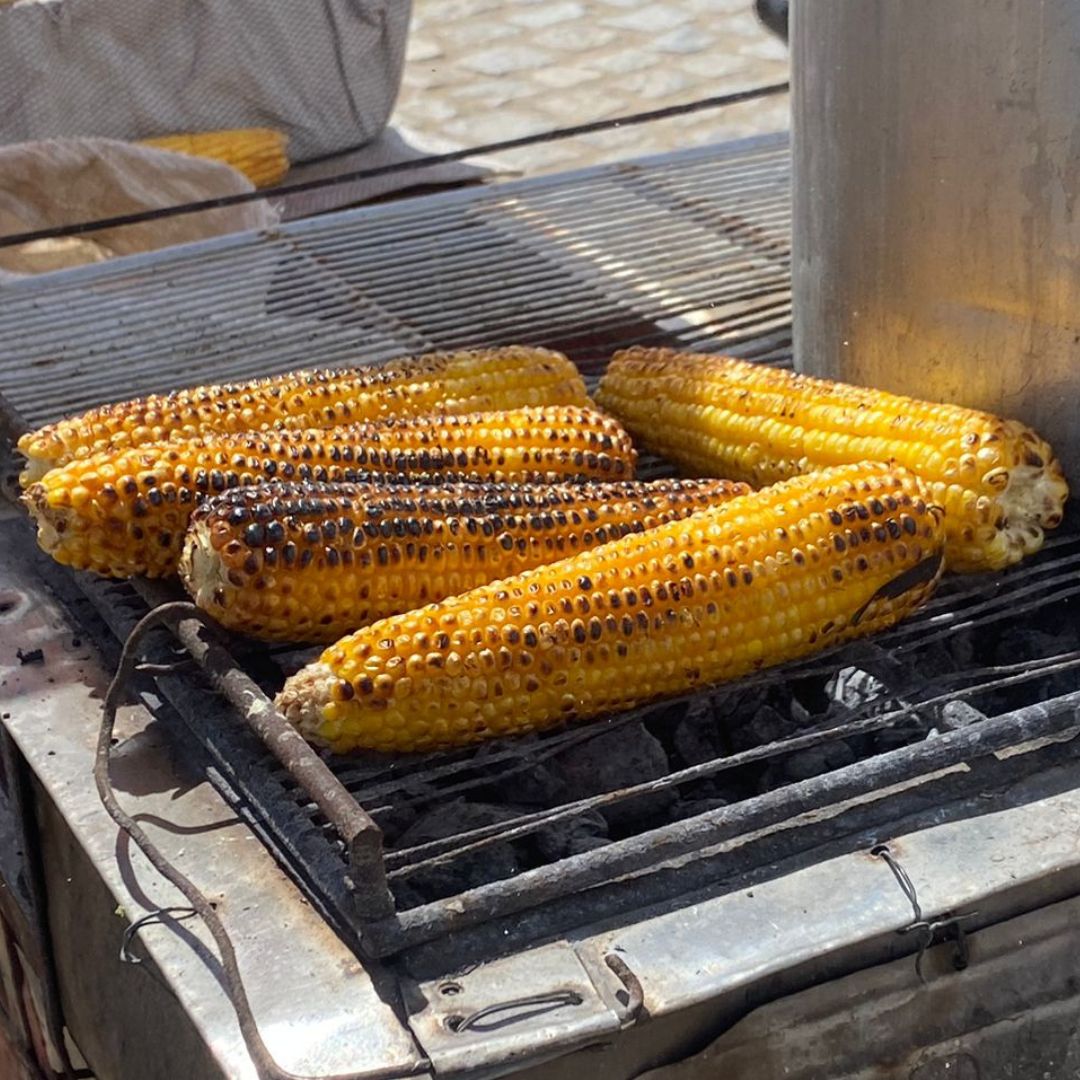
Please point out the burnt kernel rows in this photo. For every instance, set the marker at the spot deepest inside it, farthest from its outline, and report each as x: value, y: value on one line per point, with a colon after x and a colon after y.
x: 124, y: 512
x: 768, y: 576
x: 312, y: 562
x: 455, y: 382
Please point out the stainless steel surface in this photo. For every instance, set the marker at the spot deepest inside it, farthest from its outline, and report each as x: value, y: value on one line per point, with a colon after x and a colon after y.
x: 542, y: 1003
x: 807, y: 924
x: 936, y: 157
x: 319, y: 1009
x: 1012, y: 1014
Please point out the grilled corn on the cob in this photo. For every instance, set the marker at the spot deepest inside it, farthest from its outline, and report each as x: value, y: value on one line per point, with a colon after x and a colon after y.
x: 457, y: 382
x: 766, y: 577
x: 311, y: 562
x: 259, y: 153
x: 999, y: 483
x: 124, y: 512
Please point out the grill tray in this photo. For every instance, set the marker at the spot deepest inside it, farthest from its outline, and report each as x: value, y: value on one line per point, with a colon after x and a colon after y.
x: 689, y: 250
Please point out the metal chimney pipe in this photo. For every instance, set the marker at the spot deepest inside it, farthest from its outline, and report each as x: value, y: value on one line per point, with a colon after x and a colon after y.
x: 937, y: 177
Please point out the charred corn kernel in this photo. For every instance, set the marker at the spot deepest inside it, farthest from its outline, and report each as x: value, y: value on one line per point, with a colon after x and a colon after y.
x: 999, y: 483
x: 450, y: 383
x: 124, y: 512
x: 259, y: 153
x: 765, y: 577
x: 311, y: 562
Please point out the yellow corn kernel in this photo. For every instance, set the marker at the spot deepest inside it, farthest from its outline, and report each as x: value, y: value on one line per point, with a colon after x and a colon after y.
x: 311, y: 562
x: 763, y: 578
x: 999, y: 483
x: 124, y: 512
x: 483, y: 380
x: 259, y: 153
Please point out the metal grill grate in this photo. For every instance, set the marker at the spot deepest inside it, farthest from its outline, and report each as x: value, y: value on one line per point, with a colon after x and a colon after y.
x: 689, y: 250
x: 692, y: 249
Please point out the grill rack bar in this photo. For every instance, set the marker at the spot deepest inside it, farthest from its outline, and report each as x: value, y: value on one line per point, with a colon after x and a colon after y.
x: 344, y: 288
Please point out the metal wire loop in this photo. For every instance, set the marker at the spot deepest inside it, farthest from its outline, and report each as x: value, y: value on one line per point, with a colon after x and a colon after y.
x: 927, y: 929
x: 181, y: 911
x: 536, y: 1005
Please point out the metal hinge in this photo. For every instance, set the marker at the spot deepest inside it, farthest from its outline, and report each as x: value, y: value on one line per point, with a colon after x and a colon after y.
x: 543, y: 1001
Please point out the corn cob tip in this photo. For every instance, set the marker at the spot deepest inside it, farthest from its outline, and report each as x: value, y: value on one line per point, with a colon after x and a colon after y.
x: 302, y: 700
x: 204, y: 576
x: 49, y: 522
x: 1033, y: 500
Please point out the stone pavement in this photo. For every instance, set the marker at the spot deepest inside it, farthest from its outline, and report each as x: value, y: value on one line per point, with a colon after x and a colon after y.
x: 479, y: 71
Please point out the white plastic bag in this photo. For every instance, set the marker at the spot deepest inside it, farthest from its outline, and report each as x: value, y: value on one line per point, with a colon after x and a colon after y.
x: 66, y: 181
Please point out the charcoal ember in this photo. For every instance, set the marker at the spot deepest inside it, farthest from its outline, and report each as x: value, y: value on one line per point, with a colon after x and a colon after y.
x: 537, y: 785
x: 774, y: 776
x: 699, y: 736
x: 621, y: 757
x: 800, y: 714
x: 394, y: 821
x: 767, y: 725
x: 963, y: 647
x: 492, y: 863
x: 1022, y: 643
x: 959, y: 714
x: 857, y: 694
x: 804, y: 764
x: 585, y: 832
x: 931, y: 661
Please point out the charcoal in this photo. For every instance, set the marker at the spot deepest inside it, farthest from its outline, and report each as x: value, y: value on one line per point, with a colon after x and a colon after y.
x: 774, y: 776
x: 1017, y: 644
x: 931, y: 661
x: 394, y: 821
x: 800, y: 714
x: 768, y: 725
x: 962, y: 647
x: 626, y: 755
x: 709, y: 727
x: 855, y: 689
x: 959, y: 714
x: 526, y: 781
x: 580, y: 834
x: 816, y: 760
x: 1022, y: 643
x: 699, y: 736
x: 487, y: 864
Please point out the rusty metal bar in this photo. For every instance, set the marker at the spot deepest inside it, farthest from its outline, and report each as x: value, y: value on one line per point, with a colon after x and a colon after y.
x: 361, y: 835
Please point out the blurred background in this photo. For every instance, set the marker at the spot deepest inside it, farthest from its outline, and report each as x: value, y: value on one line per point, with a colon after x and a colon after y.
x: 478, y: 71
